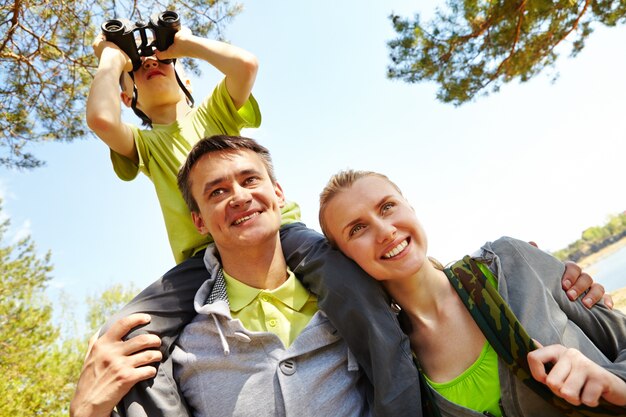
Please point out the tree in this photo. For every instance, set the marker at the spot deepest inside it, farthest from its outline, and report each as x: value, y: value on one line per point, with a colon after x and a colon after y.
x: 475, y: 46
x: 36, y: 369
x: 107, y: 303
x: 46, y: 63
x: 40, y: 366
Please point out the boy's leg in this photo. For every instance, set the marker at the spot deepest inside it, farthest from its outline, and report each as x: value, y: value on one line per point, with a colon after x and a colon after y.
x: 359, y: 308
x: 169, y: 301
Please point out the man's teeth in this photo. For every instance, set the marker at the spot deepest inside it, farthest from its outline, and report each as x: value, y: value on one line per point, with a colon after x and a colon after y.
x: 393, y: 252
x: 243, y: 219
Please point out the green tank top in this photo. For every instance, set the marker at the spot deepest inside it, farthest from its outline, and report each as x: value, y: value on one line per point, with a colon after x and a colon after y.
x: 478, y: 387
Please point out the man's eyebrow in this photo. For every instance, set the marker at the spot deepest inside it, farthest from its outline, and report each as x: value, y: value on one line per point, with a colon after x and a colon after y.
x: 243, y: 173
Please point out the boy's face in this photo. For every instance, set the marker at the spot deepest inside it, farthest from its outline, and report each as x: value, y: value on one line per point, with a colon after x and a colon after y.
x: 238, y: 203
x: 156, y: 84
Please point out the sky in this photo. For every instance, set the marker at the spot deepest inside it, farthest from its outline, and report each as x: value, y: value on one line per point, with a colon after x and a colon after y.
x: 538, y: 161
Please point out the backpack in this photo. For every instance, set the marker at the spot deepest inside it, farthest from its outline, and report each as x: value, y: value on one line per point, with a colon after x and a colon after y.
x: 510, y: 340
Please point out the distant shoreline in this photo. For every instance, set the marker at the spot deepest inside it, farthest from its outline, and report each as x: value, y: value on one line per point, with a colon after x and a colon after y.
x: 589, y: 260
x: 619, y: 296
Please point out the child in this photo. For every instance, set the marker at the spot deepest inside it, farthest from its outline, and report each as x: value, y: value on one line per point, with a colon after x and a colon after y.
x: 175, y: 127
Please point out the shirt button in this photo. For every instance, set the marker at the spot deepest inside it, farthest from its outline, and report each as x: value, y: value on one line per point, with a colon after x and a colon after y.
x: 272, y: 322
x: 288, y: 367
x: 265, y: 298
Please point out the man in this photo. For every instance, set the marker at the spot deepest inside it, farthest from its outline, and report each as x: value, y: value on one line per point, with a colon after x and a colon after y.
x: 258, y: 344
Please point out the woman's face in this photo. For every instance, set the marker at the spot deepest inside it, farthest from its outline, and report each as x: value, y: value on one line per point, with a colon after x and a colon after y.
x: 375, y: 226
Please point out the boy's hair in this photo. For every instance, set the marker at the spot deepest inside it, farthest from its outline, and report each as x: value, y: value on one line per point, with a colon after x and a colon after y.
x: 337, y: 183
x: 219, y: 143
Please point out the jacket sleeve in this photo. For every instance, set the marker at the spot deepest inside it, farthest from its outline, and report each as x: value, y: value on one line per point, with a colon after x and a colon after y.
x: 360, y: 310
x: 604, y: 327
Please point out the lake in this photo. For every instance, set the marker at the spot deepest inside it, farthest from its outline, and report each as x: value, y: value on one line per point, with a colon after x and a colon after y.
x: 610, y: 271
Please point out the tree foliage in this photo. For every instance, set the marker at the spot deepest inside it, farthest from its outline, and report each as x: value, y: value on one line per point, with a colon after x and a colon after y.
x: 595, y: 238
x: 46, y: 63
x: 40, y: 365
x: 37, y: 370
x: 475, y: 46
x: 110, y: 301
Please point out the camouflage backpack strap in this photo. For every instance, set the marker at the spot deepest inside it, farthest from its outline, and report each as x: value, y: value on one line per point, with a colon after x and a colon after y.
x: 506, y: 335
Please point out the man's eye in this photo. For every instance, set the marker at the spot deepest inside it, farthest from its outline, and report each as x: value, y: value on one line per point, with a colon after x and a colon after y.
x: 251, y: 180
x: 216, y: 192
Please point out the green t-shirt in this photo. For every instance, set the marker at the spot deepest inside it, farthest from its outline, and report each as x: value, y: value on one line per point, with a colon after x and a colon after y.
x: 163, y: 149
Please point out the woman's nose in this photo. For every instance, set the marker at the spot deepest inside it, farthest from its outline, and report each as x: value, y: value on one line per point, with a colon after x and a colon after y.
x: 385, y: 231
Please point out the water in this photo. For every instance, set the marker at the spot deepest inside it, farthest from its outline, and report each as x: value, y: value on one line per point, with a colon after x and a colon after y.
x: 610, y: 271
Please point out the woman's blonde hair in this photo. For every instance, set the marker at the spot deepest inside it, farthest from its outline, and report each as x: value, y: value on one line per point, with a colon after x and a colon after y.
x: 342, y: 181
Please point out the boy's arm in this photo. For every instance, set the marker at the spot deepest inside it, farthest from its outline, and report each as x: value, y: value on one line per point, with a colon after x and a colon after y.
x: 238, y: 65
x: 104, y: 111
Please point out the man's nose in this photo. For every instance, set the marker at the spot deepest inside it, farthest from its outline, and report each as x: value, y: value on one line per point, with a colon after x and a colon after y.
x: 241, y: 196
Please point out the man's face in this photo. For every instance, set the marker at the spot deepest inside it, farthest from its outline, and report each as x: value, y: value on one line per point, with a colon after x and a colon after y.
x: 238, y: 203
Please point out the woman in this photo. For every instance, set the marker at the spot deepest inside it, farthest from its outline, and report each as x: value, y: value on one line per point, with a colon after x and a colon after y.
x: 365, y: 215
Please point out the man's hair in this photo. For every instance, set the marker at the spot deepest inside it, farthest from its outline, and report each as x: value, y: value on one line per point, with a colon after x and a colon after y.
x: 337, y: 183
x: 219, y: 143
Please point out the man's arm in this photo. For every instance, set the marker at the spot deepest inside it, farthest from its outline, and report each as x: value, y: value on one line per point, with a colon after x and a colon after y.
x: 576, y: 282
x: 238, y: 65
x: 104, y: 110
x: 112, y: 366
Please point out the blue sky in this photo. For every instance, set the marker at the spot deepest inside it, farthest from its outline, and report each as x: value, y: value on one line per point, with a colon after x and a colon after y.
x: 538, y: 161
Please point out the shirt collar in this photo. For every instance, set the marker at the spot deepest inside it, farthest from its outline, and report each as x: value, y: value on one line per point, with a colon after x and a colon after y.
x: 291, y: 293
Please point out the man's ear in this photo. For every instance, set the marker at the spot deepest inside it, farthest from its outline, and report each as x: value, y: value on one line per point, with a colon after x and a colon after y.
x: 281, y: 195
x: 199, y: 223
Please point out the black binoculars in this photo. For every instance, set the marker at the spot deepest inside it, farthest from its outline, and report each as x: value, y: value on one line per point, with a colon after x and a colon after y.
x: 140, y: 38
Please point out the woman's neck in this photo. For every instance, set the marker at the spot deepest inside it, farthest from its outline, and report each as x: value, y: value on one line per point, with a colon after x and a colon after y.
x: 421, y: 296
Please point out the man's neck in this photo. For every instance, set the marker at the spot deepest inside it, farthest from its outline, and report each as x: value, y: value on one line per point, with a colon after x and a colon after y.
x: 261, y: 267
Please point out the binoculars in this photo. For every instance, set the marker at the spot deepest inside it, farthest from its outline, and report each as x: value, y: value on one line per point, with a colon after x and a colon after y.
x: 140, y: 38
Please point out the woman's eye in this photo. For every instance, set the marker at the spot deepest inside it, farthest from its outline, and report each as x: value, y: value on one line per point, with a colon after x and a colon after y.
x: 387, y: 206
x: 356, y: 229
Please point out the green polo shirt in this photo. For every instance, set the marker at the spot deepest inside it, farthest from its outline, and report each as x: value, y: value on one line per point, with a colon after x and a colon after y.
x: 284, y: 311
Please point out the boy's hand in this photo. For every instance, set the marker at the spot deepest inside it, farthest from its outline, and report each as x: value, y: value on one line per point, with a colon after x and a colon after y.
x: 574, y: 377
x: 177, y: 48
x: 111, y: 51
